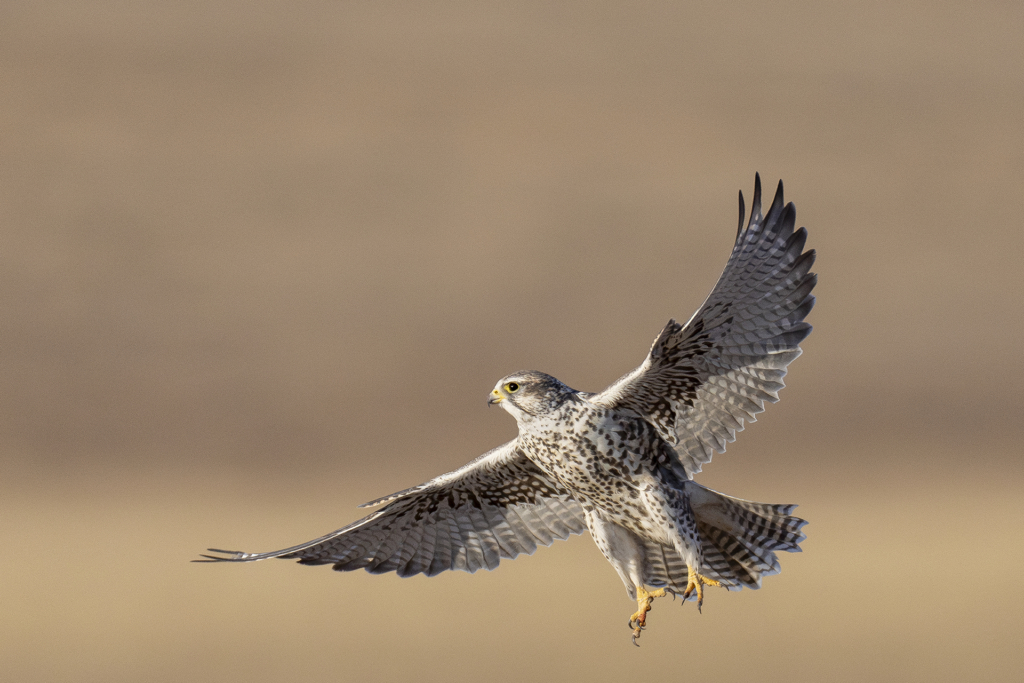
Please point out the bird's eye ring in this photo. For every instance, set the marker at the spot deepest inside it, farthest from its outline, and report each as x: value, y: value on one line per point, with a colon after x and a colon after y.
x: 511, y: 387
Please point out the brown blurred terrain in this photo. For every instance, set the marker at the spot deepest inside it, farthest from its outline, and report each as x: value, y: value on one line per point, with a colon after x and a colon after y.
x: 261, y: 262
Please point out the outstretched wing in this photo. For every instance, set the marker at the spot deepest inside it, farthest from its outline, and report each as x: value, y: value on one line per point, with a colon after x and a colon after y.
x: 703, y: 379
x: 494, y: 508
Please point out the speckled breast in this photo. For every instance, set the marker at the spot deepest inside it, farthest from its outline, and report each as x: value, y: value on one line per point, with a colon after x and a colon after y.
x: 603, y: 457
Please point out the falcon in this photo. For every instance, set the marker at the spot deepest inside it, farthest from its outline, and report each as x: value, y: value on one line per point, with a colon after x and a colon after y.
x: 620, y: 463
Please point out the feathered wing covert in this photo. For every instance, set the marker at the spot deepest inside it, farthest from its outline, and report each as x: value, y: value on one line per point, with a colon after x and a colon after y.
x: 496, y: 507
x: 702, y: 380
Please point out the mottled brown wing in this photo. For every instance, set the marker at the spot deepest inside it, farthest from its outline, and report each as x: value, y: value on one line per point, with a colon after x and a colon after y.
x: 702, y: 380
x: 494, y: 508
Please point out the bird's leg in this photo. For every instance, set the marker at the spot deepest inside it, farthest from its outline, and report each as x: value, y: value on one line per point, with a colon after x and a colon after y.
x: 697, y: 582
x: 638, y: 621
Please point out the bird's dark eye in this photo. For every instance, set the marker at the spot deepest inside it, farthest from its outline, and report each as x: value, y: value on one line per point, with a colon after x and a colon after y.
x: 511, y: 387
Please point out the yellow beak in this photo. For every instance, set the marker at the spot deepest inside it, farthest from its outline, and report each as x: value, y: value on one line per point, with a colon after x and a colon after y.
x: 495, y: 398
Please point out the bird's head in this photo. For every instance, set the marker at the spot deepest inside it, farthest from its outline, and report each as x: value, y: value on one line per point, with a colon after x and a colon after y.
x: 529, y: 394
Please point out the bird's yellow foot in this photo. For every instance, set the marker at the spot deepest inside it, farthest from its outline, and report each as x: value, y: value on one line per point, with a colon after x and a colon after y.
x: 638, y: 621
x: 696, y: 582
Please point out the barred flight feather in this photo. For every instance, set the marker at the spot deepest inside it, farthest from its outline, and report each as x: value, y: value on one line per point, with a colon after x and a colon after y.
x: 504, y: 506
x: 752, y: 321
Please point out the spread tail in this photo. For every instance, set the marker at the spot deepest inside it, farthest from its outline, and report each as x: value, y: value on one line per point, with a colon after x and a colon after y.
x: 739, y: 539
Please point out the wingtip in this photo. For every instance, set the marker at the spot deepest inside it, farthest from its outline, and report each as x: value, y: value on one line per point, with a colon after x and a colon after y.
x: 231, y: 555
x: 777, y: 209
x: 755, y: 204
x: 209, y: 558
x: 743, y: 211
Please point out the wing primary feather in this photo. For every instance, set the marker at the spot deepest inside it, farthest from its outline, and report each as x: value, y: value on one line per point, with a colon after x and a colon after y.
x: 743, y: 214
x: 776, y: 208
x: 755, y: 204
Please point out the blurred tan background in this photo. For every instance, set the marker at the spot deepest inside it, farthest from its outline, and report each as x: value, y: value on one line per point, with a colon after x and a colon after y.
x: 261, y: 262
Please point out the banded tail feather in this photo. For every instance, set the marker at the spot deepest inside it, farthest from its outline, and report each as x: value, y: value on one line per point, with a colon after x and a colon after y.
x: 739, y: 539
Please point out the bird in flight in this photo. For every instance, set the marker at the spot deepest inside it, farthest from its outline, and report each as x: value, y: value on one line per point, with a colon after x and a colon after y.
x: 620, y: 463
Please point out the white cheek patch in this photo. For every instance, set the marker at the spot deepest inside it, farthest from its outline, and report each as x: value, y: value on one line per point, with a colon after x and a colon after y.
x: 513, y: 410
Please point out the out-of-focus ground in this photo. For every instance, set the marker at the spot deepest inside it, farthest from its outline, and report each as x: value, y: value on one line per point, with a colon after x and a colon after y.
x: 261, y: 262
